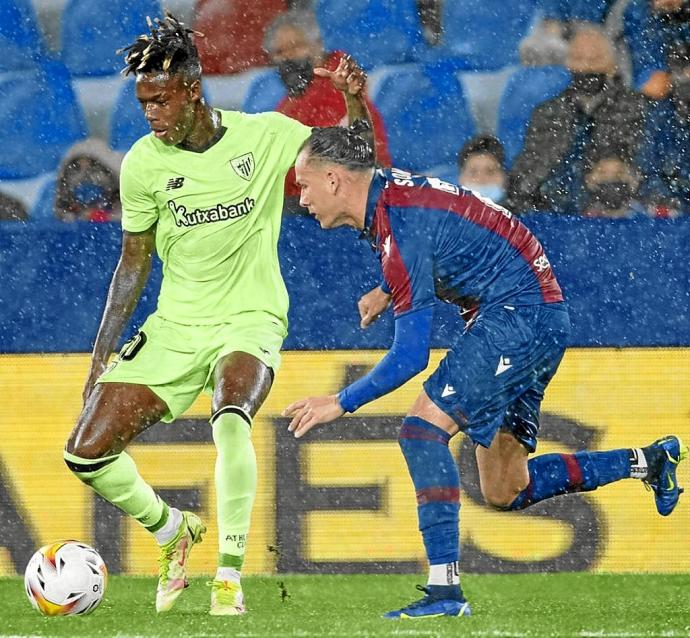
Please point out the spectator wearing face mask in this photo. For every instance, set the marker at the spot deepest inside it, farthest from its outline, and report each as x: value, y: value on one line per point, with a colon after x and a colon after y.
x: 611, y: 189
x: 481, y: 168
x: 666, y: 149
x: 595, y: 111
x: 293, y: 43
x: 87, y: 186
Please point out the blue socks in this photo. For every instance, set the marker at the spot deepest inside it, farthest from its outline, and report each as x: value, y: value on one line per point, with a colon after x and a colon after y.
x: 437, y: 483
x: 555, y: 474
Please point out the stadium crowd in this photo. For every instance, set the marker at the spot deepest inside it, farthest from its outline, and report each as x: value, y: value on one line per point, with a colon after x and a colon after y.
x: 562, y: 106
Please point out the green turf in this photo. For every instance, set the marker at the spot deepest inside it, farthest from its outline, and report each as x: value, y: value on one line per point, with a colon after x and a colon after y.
x: 584, y: 605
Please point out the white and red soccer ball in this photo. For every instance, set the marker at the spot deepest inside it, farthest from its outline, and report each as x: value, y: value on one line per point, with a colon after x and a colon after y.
x: 65, y: 578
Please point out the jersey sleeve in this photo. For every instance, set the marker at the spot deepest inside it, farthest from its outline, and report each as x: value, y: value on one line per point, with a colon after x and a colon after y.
x: 139, y: 210
x: 408, y: 269
x: 289, y: 137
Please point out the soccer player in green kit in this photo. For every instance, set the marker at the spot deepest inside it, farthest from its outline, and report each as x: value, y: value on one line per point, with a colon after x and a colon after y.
x: 205, y: 190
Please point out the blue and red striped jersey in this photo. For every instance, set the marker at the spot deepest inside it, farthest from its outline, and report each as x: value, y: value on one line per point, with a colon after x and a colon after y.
x: 438, y: 240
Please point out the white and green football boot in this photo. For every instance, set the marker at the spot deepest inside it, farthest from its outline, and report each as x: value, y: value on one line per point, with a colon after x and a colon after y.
x: 226, y: 598
x: 173, y: 558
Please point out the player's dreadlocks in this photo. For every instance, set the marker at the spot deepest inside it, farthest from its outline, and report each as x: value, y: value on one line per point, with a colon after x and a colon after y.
x: 344, y: 146
x: 169, y: 48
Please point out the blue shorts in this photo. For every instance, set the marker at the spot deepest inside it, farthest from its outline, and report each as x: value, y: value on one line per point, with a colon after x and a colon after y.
x: 496, y: 371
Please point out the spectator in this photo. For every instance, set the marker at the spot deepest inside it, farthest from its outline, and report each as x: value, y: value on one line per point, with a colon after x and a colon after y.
x: 611, y: 189
x: 595, y: 111
x: 87, y: 187
x: 666, y: 147
x: 293, y: 43
x: 638, y: 38
x: 12, y: 210
x: 233, y: 33
x: 481, y: 167
x: 668, y: 23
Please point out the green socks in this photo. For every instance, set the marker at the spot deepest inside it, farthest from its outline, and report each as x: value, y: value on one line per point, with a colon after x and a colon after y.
x: 116, y: 479
x: 235, y: 483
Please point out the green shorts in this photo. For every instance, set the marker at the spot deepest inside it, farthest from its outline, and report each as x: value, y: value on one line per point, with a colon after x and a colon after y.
x: 177, y: 361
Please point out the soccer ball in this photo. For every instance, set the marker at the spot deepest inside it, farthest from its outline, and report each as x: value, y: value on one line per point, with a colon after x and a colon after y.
x: 65, y: 578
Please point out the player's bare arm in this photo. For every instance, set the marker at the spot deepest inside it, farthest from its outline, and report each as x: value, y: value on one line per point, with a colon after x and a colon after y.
x: 128, y: 281
x: 350, y: 79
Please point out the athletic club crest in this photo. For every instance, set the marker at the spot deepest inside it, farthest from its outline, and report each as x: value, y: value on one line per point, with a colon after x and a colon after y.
x: 243, y: 165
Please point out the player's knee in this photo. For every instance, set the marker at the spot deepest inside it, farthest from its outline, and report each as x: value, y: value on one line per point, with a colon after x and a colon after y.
x: 87, y: 469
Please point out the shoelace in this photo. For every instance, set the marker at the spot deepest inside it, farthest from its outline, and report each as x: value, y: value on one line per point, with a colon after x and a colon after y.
x: 164, y: 561
x: 421, y: 601
x: 166, y: 555
x: 225, y: 593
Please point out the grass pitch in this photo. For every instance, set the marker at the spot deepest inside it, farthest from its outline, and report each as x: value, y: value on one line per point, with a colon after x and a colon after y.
x: 582, y: 605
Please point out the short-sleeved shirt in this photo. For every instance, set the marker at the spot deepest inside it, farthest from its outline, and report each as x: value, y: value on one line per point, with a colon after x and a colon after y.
x: 437, y: 240
x: 217, y: 215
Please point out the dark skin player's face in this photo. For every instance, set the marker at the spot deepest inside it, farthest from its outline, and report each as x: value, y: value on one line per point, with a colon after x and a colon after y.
x: 169, y: 103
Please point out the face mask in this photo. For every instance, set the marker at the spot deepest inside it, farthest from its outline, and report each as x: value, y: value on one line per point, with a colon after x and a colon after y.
x: 296, y: 75
x: 588, y: 83
x: 611, y: 195
x: 494, y: 192
x: 675, y: 18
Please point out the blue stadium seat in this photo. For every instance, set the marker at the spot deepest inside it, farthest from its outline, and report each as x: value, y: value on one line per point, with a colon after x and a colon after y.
x: 93, y: 30
x: 484, y: 34
x: 526, y: 89
x: 446, y: 172
x: 426, y: 114
x: 44, y: 120
x: 42, y: 210
x: 127, y: 121
x: 375, y: 32
x: 21, y: 44
x: 265, y: 92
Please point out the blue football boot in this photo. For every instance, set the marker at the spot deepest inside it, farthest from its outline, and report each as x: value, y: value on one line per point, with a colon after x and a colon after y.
x: 439, y: 600
x: 663, y: 456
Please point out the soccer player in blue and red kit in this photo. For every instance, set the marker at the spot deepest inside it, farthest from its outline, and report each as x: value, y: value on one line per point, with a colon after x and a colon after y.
x: 435, y: 241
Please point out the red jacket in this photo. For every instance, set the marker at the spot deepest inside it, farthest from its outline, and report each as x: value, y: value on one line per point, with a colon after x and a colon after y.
x: 323, y: 105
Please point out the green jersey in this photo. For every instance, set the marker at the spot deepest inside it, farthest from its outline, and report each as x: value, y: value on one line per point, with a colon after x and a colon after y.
x: 217, y: 216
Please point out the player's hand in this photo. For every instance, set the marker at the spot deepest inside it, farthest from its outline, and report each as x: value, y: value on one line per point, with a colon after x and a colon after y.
x: 372, y: 305
x: 97, y: 369
x: 310, y: 412
x: 348, y: 76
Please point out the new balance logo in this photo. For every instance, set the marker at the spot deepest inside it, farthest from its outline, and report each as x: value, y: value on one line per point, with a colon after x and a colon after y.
x: 503, y: 365
x: 447, y: 391
x: 174, y: 183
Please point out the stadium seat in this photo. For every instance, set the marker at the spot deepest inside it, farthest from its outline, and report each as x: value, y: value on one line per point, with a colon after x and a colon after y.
x: 45, y: 120
x: 43, y: 207
x: 234, y: 33
x: 526, y: 89
x: 21, y: 44
x: 446, y: 172
x: 92, y: 31
x: 264, y: 93
x: 127, y: 121
x: 375, y: 32
x: 426, y: 114
x: 483, y: 35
